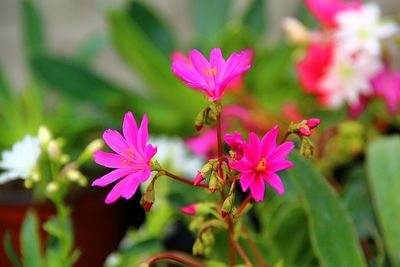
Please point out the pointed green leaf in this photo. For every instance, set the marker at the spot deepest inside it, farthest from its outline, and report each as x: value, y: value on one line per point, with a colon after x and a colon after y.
x: 30, y: 242
x: 33, y: 28
x: 8, y: 248
x: 332, y: 232
x: 255, y: 19
x: 384, y: 180
x: 152, y: 26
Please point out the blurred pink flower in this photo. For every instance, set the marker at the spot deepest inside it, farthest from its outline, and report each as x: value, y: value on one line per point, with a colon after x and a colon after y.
x: 386, y: 84
x: 212, y: 76
x: 131, y: 159
x: 313, y: 68
x: 235, y: 141
x: 326, y: 10
x: 204, y: 144
x: 261, y: 160
x: 189, y: 210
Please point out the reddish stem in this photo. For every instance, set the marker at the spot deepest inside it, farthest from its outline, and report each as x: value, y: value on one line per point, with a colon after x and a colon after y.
x: 243, y: 254
x: 244, y: 204
x: 254, y: 248
x: 285, y: 137
x: 183, y: 180
x: 176, y: 258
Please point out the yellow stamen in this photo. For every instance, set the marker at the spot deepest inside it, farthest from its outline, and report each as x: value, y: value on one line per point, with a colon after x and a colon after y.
x: 262, y: 165
x: 210, y: 72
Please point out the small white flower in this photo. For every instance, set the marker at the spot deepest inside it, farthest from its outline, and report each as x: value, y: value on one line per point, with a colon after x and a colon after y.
x: 347, y: 78
x: 20, y: 161
x: 363, y: 30
x: 173, y: 153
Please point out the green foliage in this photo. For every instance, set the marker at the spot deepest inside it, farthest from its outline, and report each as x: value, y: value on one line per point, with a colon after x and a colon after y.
x: 384, y: 180
x: 34, y: 36
x: 30, y: 242
x: 255, y: 19
x: 331, y: 230
x: 8, y: 247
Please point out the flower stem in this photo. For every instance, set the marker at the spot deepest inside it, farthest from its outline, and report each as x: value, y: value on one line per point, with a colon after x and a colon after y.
x: 285, y: 137
x: 254, y: 247
x: 244, y: 204
x: 181, y: 179
x: 221, y: 175
x: 173, y: 256
x: 242, y: 254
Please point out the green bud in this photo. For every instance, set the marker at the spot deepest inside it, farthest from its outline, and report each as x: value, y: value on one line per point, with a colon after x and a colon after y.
x: 148, y: 197
x: 44, y: 135
x: 53, y: 150
x: 199, y: 121
x: 307, y: 148
x: 227, y: 205
x: 52, y: 187
x: 214, y: 185
x: 198, y: 248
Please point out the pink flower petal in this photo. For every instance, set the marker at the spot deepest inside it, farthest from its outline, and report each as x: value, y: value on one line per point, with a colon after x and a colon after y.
x: 254, y: 143
x: 116, y: 192
x: 109, y: 160
x: 257, y: 188
x: 111, y: 177
x: 115, y: 141
x: 131, y: 185
x: 275, y: 182
x: 217, y: 60
x: 129, y: 129
x: 202, y: 66
x: 242, y: 166
x: 279, y: 165
x: 268, y: 142
x: 246, y: 180
x: 249, y: 154
x: 143, y: 134
x: 281, y: 151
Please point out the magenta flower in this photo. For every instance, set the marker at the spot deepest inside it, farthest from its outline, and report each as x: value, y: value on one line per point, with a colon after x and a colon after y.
x: 212, y: 76
x: 261, y: 160
x: 387, y: 85
x: 131, y: 159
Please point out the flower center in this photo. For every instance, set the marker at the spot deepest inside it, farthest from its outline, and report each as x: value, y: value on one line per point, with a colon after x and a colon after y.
x: 127, y: 158
x: 262, y: 165
x: 211, y: 71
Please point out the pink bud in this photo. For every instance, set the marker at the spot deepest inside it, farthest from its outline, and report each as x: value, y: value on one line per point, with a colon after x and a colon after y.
x: 313, y: 122
x: 304, y: 131
x: 199, y: 178
x: 189, y: 210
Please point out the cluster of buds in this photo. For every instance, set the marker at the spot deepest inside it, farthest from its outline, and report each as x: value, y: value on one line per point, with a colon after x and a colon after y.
x: 210, y: 169
x: 304, y: 127
x: 208, y: 115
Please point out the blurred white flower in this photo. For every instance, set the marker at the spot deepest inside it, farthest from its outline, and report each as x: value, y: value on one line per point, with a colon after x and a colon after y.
x: 363, y: 29
x: 20, y: 161
x: 347, y: 78
x: 173, y: 154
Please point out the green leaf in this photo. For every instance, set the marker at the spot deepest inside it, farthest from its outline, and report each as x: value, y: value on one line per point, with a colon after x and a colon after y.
x: 30, y: 243
x: 384, y: 180
x: 332, y: 232
x: 33, y: 28
x: 358, y: 203
x: 88, y: 51
x: 152, y: 26
x: 255, y: 18
x: 209, y: 17
x: 8, y: 248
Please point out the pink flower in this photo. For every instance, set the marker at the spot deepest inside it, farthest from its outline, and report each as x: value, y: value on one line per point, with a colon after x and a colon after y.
x: 131, y: 159
x: 314, y: 67
x: 313, y: 122
x: 235, y: 141
x: 237, y: 83
x: 261, y: 160
x: 189, y: 210
x: 386, y: 84
x: 326, y: 10
x: 204, y: 144
x: 212, y: 76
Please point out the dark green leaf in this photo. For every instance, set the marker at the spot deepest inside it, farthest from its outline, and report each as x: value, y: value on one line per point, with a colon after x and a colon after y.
x: 332, y: 232
x: 152, y: 26
x: 33, y: 28
x: 384, y: 179
x: 8, y: 247
x: 255, y: 18
x: 30, y: 242
x: 209, y: 17
x: 91, y: 47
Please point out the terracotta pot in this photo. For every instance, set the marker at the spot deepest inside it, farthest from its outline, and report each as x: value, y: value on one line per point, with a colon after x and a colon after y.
x: 98, y: 228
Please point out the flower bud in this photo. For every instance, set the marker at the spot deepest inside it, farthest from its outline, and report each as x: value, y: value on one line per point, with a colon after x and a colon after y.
x: 189, y: 210
x: 307, y: 148
x: 214, y: 184
x: 92, y: 147
x: 296, y: 32
x: 74, y: 175
x: 199, y: 121
x: 199, y: 177
x: 53, y: 149
x: 44, y: 135
x: 313, y: 123
x: 227, y: 205
x: 35, y: 176
x: 148, y: 197
x: 304, y: 131
x: 52, y: 187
